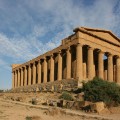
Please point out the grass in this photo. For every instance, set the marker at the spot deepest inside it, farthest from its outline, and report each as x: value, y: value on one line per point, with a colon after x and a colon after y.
x: 33, y: 118
x: 28, y: 118
x: 1, y: 112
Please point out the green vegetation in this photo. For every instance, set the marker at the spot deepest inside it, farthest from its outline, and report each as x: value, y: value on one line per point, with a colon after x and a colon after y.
x: 101, y: 90
x: 66, y: 96
x: 34, y: 101
x: 1, y: 91
x: 28, y: 118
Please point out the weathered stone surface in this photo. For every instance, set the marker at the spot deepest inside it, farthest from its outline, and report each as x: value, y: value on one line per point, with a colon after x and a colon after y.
x: 60, y: 103
x: 37, y: 89
x: 80, y: 96
x: 85, y: 106
x: 76, y: 105
x: 56, y: 86
x: 64, y: 103
x: 97, y: 107
x: 70, y: 104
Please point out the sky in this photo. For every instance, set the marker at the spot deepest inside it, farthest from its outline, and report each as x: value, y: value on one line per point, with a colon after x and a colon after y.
x: 29, y: 28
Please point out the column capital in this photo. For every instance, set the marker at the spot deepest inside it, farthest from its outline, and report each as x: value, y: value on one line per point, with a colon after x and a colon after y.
x: 34, y: 63
x: 30, y: 64
x: 101, y: 51
x: 59, y: 52
x: 90, y: 48
x: 39, y: 61
x: 44, y: 58
x: 20, y: 68
x: 117, y: 57
x: 79, y: 44
x: 110, y: 55
x: 68, y: 49
x: 52, y: 55
x: 23, y: 67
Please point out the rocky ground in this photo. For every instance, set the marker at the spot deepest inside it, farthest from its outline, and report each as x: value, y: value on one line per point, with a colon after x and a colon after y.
x: 18, y: 106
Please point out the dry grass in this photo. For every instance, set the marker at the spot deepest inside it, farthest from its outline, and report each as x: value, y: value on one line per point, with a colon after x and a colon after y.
x: 1, y: 112
x: 33, y: 118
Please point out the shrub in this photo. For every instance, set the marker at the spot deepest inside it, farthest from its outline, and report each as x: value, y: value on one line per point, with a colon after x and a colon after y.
x: 28, y: 118
x: 101, y: 90
x: 66, y: 96
x: 34, y: 101
x: 1, y: 91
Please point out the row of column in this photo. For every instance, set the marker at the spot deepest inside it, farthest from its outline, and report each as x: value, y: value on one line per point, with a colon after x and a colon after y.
x: 90, y: 65
x: 25, y: 74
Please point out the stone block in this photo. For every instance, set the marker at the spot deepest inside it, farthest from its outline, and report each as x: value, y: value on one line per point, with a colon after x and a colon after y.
x: 42, y: 101
x: 64, y: 103
x: 52, y: 88
x: 80, y: 84
x: 80, y: 96
x: 37, y: 89
x: 69, y: 104
x: 97, y: 107
x: 60, y: 103
x: 76, y: 105
x: 55, y: 103
x: 84, y: 105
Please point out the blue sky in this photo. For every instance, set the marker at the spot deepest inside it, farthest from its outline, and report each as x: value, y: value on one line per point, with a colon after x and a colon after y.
x: 28, y: 28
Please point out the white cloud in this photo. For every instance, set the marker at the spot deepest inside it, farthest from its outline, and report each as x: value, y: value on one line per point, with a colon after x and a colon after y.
x: 31, y: 23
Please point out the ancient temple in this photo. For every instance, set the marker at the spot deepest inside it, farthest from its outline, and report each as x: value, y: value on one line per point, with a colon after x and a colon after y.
x: 83, y: 55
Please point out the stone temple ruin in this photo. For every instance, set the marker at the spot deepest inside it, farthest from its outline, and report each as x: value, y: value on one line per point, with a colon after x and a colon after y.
x: 80, y: 57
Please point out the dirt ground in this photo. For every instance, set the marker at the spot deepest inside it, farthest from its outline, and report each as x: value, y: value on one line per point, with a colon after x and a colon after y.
x: 12, y: 111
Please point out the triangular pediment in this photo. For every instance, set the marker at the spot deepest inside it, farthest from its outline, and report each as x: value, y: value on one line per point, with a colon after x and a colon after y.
x: 107, y: 35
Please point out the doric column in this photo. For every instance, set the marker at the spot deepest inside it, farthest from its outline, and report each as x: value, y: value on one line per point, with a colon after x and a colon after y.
x: 100, y: 65
x: 118, y: 70
x: 18, y: 77
x: 59, y: 66
x: 90, y: 63
x: 68, y: 62
x: 22, y: 76
x: 45, y: 71
x: 34, y: 73
x: 13, y: 80
x: 51, y: 68
x: 84, y: 70
x: 94, y: 71
x: 25, y: 75
x: 39, y: 71
x: 105, y: 75
x: 79, y: 61
x: 114, y: 73
x: 110, y: 68
x: 16, y: 80
x: 29, y: 74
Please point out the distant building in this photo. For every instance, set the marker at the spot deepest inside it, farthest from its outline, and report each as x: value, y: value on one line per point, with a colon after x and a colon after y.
x: 81, y: 56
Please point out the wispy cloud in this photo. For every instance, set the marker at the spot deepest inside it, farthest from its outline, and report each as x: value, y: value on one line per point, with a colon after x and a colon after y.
x: 29, y: 28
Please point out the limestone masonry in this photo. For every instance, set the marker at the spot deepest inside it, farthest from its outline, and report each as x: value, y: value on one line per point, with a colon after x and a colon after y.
x: 81, y: 56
